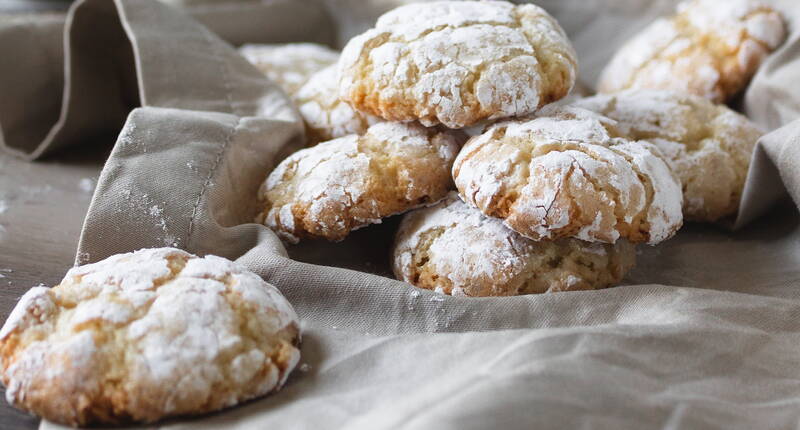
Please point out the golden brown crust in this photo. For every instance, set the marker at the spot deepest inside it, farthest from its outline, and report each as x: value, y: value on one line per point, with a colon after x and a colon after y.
x: 146, y: 335
x: 457, y: 63
x: 563, y: 174
x: 708, y: 146
x: 454, y: 249
x: 325, y: 115
x: 709, y: 48
x: 330, y: 189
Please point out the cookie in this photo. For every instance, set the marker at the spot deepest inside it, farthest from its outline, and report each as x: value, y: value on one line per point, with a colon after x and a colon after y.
x: 340, y: 185
x: 709, y: 48
x: 146, y: 335
x: 454, y: 249
x: 708, y: 146
x: 563, y: 174
x: 325, y: 115
x: 457, y: 63
x: 289, y: 65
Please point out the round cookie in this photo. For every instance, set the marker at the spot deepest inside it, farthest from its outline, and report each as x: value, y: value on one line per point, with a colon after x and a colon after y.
x: 289, y: 65
x: 454, y: 249
x: 340, y: 185
x: 563, y: 174
x: 325, y: 115
x: 457, y: 63
x: 709, y: 48
x: 146, y: 335
x: 708, y: 146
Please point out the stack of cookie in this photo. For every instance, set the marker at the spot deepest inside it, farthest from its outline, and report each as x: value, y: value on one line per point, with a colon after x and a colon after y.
x: 543, y: 197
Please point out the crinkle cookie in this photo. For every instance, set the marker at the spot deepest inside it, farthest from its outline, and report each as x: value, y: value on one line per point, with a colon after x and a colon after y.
x: 454, y: 249
x: 340, y: 185
x: 325, y: 115
x: 711, y: 48
x: 562, y: 174
x: 708, y: 146
x: 457, y: 63
x: 289, y: 65
x: 146, y: 335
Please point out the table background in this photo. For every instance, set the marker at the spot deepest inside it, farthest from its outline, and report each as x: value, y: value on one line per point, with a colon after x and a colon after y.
x: 42, y: 206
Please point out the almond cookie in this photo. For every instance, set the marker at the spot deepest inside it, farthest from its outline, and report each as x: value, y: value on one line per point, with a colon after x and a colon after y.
x: 457, y: 63
x: 708, y: 146
x: 563, y: 174
x: 330, y: 189
x: 454, y: 249
x: 289, y: 65
x: 709, y: 48
x: 325, y: 115
x: 146, y: 335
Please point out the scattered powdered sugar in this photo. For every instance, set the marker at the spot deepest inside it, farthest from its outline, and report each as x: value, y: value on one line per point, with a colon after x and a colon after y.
x: 126, y: 136
x: 86, y: 185
x: 82, y: 258
x: 152, y: 211
x: 305, y: 367
x: 3, y: 206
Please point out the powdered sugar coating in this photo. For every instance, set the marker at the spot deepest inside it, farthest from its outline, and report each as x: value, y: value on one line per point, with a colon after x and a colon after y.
x: 340, y: 185
x: 566, y: 174
x: 457, y: 63
x: 708, y: 146
x: 325, y: 115
x: 710, y: 48
x: 289, y: 65
x: 145, y: 335
x: 454, y: 249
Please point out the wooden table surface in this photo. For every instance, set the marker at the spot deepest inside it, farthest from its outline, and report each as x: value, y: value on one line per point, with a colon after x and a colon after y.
x: 42, y: 205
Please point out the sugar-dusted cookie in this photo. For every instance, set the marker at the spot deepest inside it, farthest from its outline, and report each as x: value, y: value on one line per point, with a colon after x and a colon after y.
x: 454, y: 249
x: 330, y: 189
x: 457, y: 63
x: 325, y: 115
x: 289, y: 65
x: 146, y: 335
x: 563, y: 174
x: 708, y: 146
x: 710, y: 48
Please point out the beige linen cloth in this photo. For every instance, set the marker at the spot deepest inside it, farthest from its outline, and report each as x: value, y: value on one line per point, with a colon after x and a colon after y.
x: 705, y: 333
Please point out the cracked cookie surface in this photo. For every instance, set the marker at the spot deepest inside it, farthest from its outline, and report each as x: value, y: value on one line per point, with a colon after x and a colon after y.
x: 289, y: 65
x: 564, y: 174
x: 340, y: 185
x: 454, y: 249
x: 145, y: 335
x: 708, y: 146
x: 457, y: 63
x: 709, y: 48
x: 326, y: 116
